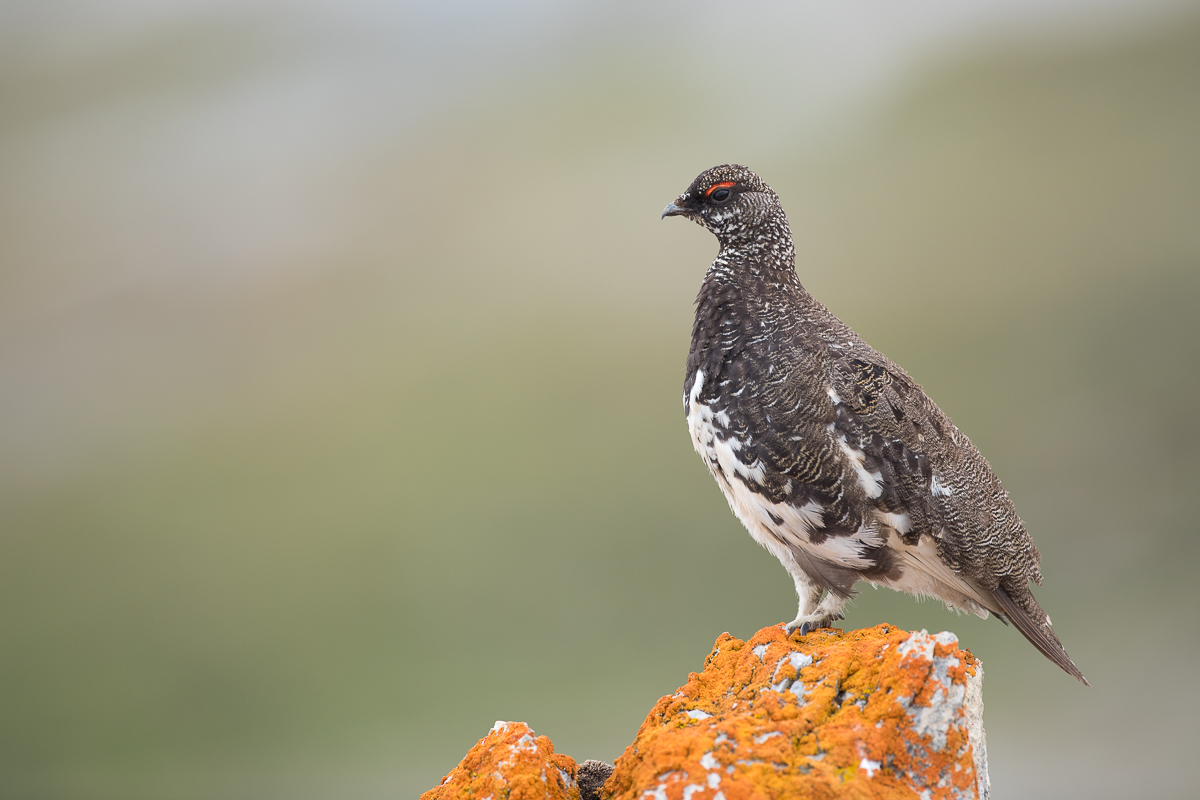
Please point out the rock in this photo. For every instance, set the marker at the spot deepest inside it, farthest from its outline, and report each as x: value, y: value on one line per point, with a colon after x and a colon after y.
x: 874, y: 713
x: 510, y: 763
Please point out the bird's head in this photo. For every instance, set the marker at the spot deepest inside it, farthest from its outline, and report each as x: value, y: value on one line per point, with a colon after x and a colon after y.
x: 729, y: 200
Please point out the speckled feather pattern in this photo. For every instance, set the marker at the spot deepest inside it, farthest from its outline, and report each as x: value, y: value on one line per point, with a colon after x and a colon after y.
x: 829, y: 453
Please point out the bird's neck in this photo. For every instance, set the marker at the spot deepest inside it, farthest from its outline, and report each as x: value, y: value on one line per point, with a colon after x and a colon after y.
x: 761, y: 261
x: 765, y: 249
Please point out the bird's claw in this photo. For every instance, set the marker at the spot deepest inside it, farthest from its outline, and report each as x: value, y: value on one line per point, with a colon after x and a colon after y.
x: 809, y: 625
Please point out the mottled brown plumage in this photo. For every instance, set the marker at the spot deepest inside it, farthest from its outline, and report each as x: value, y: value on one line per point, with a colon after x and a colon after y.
x: 833, y: 457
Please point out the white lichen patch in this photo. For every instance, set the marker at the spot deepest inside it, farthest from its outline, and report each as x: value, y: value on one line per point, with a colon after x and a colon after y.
x: 946, y: 705
x: 952, y: 704
x: 798, y: 661
x: 658, y: 792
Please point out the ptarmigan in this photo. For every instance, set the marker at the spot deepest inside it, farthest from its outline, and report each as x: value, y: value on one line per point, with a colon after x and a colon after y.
x: 833, y: 457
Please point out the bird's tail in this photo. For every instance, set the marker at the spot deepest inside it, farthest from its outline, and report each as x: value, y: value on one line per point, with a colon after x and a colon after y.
x: 1033, y: 622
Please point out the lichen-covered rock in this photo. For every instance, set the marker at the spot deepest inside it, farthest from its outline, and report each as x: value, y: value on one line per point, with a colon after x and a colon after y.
x: 874, y: 713
x: 510, y: 763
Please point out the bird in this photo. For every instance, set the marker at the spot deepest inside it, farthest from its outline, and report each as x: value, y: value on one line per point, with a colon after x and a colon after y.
x: 831, y: 456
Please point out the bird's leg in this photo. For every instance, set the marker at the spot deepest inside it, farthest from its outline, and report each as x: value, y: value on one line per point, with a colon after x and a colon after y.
x: 811, y: 618
x: 809, y: 594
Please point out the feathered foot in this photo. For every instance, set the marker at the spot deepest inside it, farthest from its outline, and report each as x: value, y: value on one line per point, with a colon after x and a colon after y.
x: 810, y: 623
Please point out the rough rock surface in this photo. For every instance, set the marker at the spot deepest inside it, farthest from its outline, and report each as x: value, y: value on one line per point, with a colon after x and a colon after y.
x: 510, y: 763
x: 873, y: 713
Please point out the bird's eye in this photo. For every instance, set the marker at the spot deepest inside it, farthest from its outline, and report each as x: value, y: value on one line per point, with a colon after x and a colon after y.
x: 720, y: 195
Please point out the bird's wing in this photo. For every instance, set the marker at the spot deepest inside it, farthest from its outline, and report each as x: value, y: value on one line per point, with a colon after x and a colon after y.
x: 930, y: 471
x: 894, y: 438
x: 983, y: 551
x: 879, y: 415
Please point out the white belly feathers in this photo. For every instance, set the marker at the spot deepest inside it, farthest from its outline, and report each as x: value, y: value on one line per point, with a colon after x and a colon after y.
x: 755, y: 511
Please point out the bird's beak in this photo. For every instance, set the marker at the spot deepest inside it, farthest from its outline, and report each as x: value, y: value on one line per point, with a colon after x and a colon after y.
x: 672, y: 210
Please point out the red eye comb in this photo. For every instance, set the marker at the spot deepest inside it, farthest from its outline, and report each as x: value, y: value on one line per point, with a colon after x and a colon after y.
x: 722, y: 185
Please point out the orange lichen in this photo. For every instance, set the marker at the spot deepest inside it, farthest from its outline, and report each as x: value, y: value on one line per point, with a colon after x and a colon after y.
x: 873, y: 713
x: 510, y: 763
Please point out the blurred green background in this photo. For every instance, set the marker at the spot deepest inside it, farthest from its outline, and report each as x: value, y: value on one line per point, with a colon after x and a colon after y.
x: 341, y: 354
